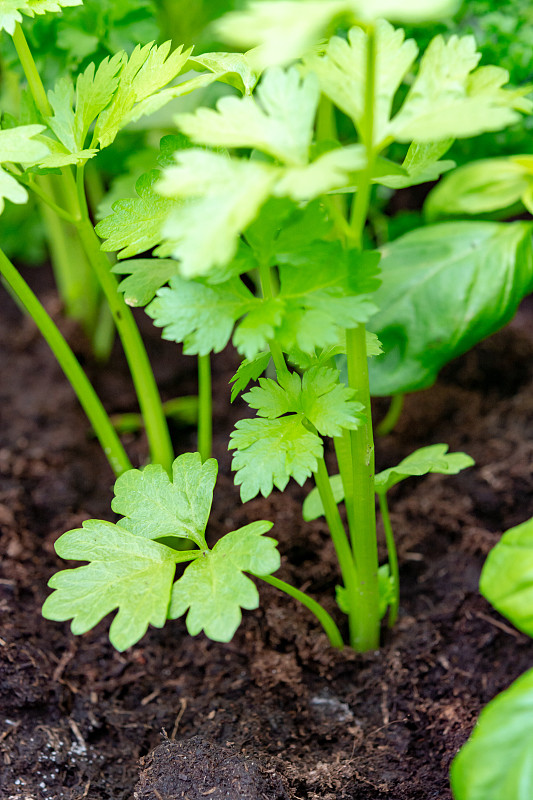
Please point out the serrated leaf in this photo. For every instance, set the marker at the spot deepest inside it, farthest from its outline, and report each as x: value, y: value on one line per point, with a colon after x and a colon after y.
x: 136, y: 224
x: 278, y: 119
x: 478, y: 188
x: 445, y: 288
x: 143, y: 74
x: 145, y: 277
x: 249, y: 370
x: 507, y: 576
x: 154, y: 506
x: 312, y: 507
x: 155, y: 102
x: 223, y: 197
x: 434, y: 458
x: 421, y: 164
x: 232, y: 68
x: 200, y: 316
x: 497, y: 762
x: 11, y: 10
x: 126, y: 572
x: 214, y: 588
x: 258, y: 327
x: 94, y: 90
x: 270, y: 452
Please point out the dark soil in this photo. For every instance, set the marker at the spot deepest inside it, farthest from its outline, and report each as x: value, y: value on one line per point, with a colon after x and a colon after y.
x: 276, y: 713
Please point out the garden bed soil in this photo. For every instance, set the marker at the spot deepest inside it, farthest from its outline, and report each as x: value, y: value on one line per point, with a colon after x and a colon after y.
x: 276, y: 713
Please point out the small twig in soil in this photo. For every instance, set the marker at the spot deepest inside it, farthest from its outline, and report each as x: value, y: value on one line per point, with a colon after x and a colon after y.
x: 183, y: 702
x: 501, y: 625
x: 150, y: 697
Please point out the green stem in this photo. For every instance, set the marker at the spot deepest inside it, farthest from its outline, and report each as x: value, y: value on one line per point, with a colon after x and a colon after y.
x: 205, y: 408
x: 331, y: 629
x: 340, y: 542
x: 30, y: 70
x: 88, y: 398
x: 390, y: 420
x: 143, y: 378
x: 393, y: 557
x: 343, y: 451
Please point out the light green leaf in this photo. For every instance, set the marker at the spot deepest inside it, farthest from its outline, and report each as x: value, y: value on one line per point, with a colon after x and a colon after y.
x: 507, y: 576
x: 145, y: 277
x: 449, y: 99
x: 223, y: 197
x: 214, y: 588
x: 411, y: 12
x: 434, y: 458
x: 126, y: 572
x: 155, y: 102
x: 342, y: 73
x: 147, y: 70
x: 386, y: 591
x: 312, y: 507
x: 232, y: 68
x: 249, y: 370
x: 421, y: 164
x: 445, y: 288
x: 258, y: 327
x: 478, y: 188
x: 10, y: 189
x: 497, y: 760
x: 278, y: 119
x: 200, y: 316
x: 94, y: 90
x: 21, y: 145
x: 154, y: 506
x: 11, y: 10
x: 136, y: 224
x: 58, y: 158
x: 270, y: 452
x: 61, y: 99
x: 333, y: 170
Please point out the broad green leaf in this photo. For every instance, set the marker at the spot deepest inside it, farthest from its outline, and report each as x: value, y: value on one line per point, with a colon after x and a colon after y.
x: 223, y: 196
x: 154, y: 506
x: 214, y: 587
x: 143, y: 74
x: 270, y: 452
x: 136, y: 224
x: 450, y: 98
x: 445, y: 288
x: 249, y: 370
x: 10, y: 189
x: 278, y: 119
x: 199, y: 315
x: 342, y: 73
x: 284, y: 30
x: 497, y: 760
x: 507, y: 576
x: 232, y: 68
x: 421, y: 164
x: 312, y: 507
x: 318, y: 396
x: 434, y: 458
x: 478, y: 188
x: 145, y: 277
x: 11, y: 10
x: 126, y: 572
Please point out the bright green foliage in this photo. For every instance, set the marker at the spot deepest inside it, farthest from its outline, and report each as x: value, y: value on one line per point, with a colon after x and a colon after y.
x: 318, y: 396
x: 232, y: 68
x: 16, y: 144
x: 507, y: 576
x: 497, y: 760
x: 214, y: 588
x: 136, y: 224
x: 312, y: 506
x: 385, y: 586
x: 278, y: 119
x: 155, y: 506
x: 481, y: 187
x: 422, y: 164
x: 445, y: 287
x: 284, y: 30
x: 270, y: 452
x: 143, y: 74
x: 126, y: 572
x: 249, y: 370
x: 434, y: 458
x: 11, y: 10
x: 145, y: 277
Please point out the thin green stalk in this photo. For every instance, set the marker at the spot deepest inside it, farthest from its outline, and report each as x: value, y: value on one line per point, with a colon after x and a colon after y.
x: 390, y: 420
x: 205, y: 407
x: 331, y: 629
x: 341, y: 544
x: 265, y: 274
x: 143, y: 378
x: 393, y: 557
x: 30, y: 70
x: 343, y: 451
x: 88, y: 398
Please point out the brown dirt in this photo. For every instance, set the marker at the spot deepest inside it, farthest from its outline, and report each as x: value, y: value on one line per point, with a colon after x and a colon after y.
x: 276, y: 713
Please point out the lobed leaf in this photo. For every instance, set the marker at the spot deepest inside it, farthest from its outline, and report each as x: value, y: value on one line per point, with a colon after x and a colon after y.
x: 154, y: 506
x: 11, y: 10
x: 249, y: 370
x: 19, y: 145
x: 127, y: 572
x: 434, y: 458
x: 145, y: 277
x: 232, y: 68
x: 214, y: 588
